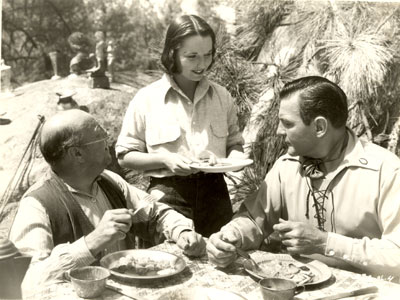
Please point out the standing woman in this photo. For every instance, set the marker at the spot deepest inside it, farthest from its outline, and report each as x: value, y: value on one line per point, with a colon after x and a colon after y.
x: 177, y: 119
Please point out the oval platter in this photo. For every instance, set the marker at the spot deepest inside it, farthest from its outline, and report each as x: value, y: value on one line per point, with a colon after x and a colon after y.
x: 321, y: 272
x: 112, y: 262
x: 223, y: 165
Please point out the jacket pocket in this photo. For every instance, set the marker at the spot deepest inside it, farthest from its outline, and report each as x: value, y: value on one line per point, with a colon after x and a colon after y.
x: 218, y: 138
x: 219, y: 130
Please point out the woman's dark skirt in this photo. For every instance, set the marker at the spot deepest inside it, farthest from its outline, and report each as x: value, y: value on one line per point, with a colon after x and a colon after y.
x: 202, y: 197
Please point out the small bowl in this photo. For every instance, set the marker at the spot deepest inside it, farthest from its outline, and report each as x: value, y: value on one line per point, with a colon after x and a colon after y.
x: 89, y: 282
x: 278, y: 288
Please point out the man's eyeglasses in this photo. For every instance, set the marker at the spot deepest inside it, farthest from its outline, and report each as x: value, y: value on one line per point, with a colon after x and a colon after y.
x: 104, y: 139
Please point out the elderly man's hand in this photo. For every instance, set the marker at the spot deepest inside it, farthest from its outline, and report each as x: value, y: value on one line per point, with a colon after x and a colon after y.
x: 301, y: 238
x: 112, y: 227
x: 191, y: 243
x: 221, y: 247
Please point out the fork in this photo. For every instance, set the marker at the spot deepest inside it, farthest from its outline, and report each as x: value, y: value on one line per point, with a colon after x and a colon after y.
x: 249, y: 259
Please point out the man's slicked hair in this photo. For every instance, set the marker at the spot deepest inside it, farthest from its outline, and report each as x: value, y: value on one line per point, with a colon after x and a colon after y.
x: 318, y: 97
x: 181, y: 28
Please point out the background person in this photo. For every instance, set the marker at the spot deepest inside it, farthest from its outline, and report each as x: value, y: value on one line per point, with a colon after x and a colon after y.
x: 81, y: 62
x: 178, y: 119
x: 100, y: 56
x: 111, y: 59
x: 81, y: 212
x: 332, y: 195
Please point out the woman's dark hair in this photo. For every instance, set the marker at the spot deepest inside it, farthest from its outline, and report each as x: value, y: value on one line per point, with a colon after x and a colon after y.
x: 318, y: 97
x: 181, y: 28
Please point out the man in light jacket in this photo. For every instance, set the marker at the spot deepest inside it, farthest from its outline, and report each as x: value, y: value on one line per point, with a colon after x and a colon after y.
x: 333, y: 196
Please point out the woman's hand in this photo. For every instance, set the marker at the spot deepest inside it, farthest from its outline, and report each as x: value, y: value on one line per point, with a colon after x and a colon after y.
x: 178, y: 164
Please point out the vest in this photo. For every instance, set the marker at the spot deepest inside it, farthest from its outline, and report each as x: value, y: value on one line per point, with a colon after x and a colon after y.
x: 68, y: 221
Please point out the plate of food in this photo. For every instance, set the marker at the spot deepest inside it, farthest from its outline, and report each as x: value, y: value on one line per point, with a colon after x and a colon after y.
x: 142, y: 264
x: 200, y: 293
x: 304, y: 272
x: 221, y: 165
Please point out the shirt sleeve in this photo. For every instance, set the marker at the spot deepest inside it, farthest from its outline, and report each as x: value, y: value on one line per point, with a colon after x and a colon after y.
x: 377, y: 256
x: 31, y: 234
x: 152, y: 220
x: 259, y: 212
x: 132, y: 135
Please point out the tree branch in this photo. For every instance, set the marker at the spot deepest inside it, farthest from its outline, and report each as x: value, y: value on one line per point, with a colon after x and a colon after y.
x: 365, y: 123
x: 59, y: 14
x: 22, y: 58
x: 386, y: 19
x: 18, y: 28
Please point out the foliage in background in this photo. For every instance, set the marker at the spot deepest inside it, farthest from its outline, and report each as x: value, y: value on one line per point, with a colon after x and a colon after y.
x: 135, y: 27
x: 256, y: 21
x: 356, y: 51
x: 247, y: 80
x: 353, y: 43
x: 239, y: 76
x: 31, y: 29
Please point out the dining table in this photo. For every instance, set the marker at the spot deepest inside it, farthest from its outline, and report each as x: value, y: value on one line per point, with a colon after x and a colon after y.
x: 199, y: 272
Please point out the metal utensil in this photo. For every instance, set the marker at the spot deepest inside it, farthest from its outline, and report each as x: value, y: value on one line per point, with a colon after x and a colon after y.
x: 121, y: 291
x: 359, y: 292
x: 248, y: 259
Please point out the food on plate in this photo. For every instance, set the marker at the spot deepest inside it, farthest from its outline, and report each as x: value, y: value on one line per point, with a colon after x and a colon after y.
x: 212, y: 162
x: 299, y: 273
x: 143, y: 266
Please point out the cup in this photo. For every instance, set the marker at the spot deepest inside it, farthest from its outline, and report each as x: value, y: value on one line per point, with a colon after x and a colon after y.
x: 89, y: 282
x: 13, y: 267
x: 279, y: 289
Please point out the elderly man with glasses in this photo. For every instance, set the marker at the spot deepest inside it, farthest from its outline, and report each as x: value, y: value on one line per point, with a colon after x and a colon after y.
x: 80, y: 211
